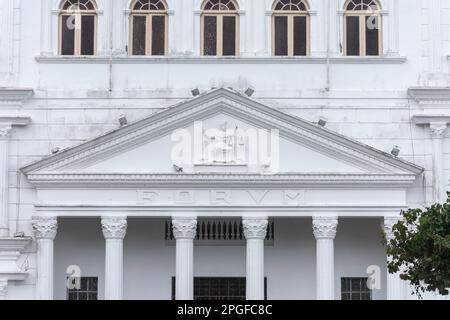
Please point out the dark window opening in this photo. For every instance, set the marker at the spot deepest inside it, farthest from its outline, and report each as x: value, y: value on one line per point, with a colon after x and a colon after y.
x: 87, y: 35
x: 210, y: 36
x: 355, y: 289
x: 158, y: 35
x: 219, y: 288
x: 300, y: 36
x: 352, y: 36
x: 281, y: 36
x: 372, y: 36
x: 229, y: 36
x: 67, y: 35
x: 139, y: 35
x: 88, y: 290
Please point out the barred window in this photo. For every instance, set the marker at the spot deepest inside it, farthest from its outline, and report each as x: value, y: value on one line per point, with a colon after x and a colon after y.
x: 355, y: 289
x: 290, y: 24
x: 362, y: 28
x: 219, y: 288
x: 88, y: 290
x: 219, y: 28
x: 148, y: 28
x: 77, y: 27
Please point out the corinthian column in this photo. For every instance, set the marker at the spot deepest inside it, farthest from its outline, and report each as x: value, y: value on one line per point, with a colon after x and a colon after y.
x: 184, y: 231
x: 114, y: 230
x: 255, y: 230
x: 396, y: 287
x: 325, y: 231
x: 45, y: 229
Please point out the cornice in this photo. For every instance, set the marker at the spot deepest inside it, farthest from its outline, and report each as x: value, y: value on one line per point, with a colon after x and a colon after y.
x: 208, y: 180
x: 15, y: 95
x: 14, y: 244
x: 430, y: 95
x: 15, y: 121
x: 216, y: 60
x: 236, y: 105
x: 430, y: 119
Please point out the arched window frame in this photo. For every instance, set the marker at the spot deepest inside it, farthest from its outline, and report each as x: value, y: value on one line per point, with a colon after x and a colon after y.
x: 291, y: 14
x: 219, y: 14
x: 149, y: 14
x: 65, y: 11
x: 362, y: 15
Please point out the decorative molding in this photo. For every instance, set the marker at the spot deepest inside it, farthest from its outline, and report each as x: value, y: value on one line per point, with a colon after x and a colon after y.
x: 216, y: 60
x: 438, y: 124
x: 5, y: 131
x: 438, y: 130
x: 429, y: 119
x: 325, y: 227
x: 15, y: 95
x: 61, y: 180
x: 184, y: 227
x: 14, y: 121
x: 255, y: 227
x: 239, y: 106
x: 430, y: 95
x: 10, y: 252
x: 45, y: 227
x: 69, y: 210
x: 114, y: 227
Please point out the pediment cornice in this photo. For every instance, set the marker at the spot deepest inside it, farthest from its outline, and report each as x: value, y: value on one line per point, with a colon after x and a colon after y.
x: 238, y: 106
x: 207, y: 180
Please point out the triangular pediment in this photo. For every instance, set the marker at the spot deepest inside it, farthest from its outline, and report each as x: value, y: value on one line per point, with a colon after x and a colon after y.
x: 147, y: 146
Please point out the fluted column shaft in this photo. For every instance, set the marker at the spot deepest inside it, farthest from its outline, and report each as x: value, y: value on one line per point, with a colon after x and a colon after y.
x: 395, y: 287
x: 255, y: 230
x: 325, y: 231
x: 45, y: 229
x: 184, y: 231
x: 114, y: 230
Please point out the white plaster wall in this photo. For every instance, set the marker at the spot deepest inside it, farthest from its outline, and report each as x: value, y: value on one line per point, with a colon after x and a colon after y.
x: 367, y: 102
x: 149, y: 263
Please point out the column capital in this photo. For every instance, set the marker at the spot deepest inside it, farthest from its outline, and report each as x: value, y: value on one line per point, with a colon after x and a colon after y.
x: 438, y: 129
x: 255, y: 227
x: 184, y: 227
x: 388, y: 223
x: 5, y: 131
x: 325, y: 227
x: 45, y: 227
x: 114, y: 227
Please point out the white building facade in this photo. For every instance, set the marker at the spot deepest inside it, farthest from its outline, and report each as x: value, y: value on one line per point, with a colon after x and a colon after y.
x: 218, y: 149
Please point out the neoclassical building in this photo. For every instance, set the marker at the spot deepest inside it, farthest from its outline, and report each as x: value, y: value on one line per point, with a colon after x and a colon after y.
x: 217, y: 149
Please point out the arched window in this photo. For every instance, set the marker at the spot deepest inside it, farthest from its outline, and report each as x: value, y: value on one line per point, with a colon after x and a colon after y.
x: 290, y: 28
x: 220, y: 28
x: 362, y: 28
x: 78, y: 24
x: 148, y: 28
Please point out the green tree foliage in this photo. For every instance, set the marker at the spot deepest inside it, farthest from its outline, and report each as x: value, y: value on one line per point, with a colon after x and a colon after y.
x: 420, y: 248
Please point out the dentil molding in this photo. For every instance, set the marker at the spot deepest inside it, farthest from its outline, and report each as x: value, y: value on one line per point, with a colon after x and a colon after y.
x: 45, y: 227
x: 114, y: 227
x: 255, y: 227
x: 325, y: 227
x: 184, y: 227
